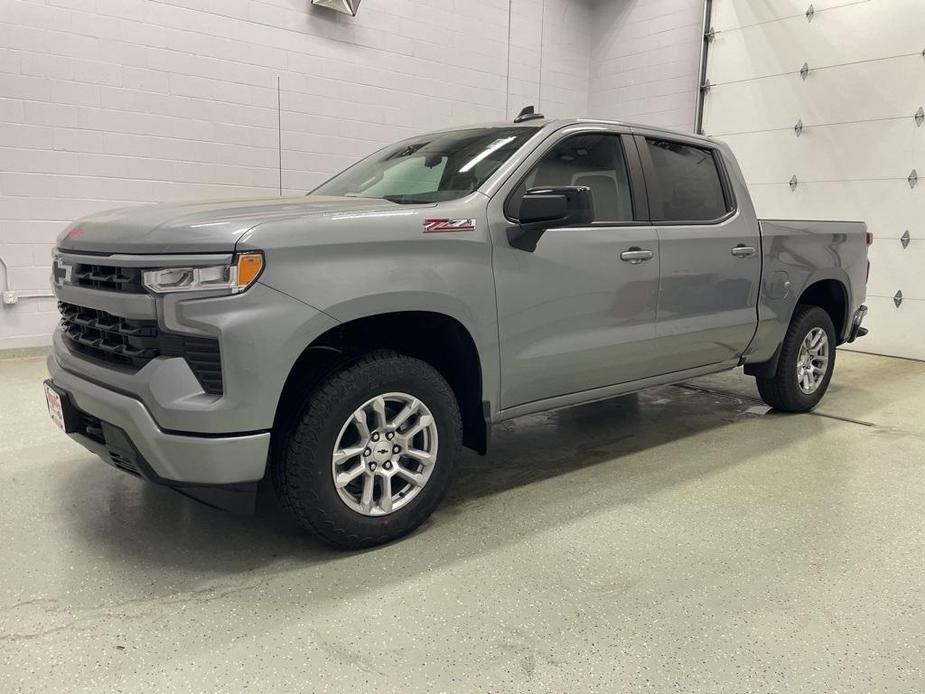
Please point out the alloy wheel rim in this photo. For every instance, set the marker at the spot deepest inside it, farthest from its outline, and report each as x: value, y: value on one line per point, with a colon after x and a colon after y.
x: 384, y: 454
x: 813, y: 360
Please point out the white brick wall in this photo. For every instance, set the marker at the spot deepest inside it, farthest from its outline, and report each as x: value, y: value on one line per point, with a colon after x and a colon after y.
x: 563, y: 29
x: 645, y: 61
x: 111, y: 102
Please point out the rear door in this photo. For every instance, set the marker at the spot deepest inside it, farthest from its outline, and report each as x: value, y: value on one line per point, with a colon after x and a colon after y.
x: 710, y: 254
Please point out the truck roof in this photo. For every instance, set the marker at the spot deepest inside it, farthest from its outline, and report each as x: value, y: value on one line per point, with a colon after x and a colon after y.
x: 552, y: 124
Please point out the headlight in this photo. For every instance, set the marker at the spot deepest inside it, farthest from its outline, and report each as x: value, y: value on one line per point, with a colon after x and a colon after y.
x: 235, y: 277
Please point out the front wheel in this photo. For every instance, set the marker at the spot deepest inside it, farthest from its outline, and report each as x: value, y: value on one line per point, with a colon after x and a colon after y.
x: 807, y: 359
x: 370, y: 458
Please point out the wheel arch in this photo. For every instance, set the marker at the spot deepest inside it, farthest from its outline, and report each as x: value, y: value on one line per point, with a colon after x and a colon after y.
x: 831, y: 295
x: 828, y: 292
x: 435, y: 337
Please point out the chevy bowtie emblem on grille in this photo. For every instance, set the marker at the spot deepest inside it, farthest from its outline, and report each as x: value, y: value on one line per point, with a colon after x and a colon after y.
x: 434, y: 226
x: 61, y: 272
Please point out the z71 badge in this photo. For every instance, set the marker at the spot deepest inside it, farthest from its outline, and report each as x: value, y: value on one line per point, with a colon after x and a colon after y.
x: 434, y: 226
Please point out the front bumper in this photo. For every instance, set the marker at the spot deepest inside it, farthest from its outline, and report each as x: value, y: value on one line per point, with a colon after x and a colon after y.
x: 159, y: 418
x: 124, y: 434
x: 260, y: 332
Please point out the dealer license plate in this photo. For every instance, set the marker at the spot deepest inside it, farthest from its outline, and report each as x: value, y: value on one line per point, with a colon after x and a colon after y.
x: 55, y: 410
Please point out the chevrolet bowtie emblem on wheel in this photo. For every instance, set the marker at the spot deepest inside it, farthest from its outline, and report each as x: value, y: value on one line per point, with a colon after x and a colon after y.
x: 433, y: 226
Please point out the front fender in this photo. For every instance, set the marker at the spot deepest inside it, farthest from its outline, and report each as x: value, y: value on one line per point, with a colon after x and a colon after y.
x: 362, y: 265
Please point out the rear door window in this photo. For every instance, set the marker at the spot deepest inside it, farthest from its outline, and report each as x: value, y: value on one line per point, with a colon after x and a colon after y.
x: 687, y: 185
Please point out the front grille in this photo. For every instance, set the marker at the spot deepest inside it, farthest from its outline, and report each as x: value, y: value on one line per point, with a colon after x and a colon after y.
x: 130, y: 344
x: 108, y: 278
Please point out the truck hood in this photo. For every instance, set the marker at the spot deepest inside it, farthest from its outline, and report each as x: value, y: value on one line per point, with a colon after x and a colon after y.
x: 197, y: 227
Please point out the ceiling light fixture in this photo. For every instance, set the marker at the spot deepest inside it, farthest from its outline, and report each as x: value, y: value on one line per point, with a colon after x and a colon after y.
x: 346, y: 6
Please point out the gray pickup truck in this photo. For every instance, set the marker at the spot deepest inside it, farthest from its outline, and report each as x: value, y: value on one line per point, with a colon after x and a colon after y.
x: 342, y: 346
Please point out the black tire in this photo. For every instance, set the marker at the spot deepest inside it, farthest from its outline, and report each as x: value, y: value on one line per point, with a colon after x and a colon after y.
x: 783, y: 392
x: 302, y: 466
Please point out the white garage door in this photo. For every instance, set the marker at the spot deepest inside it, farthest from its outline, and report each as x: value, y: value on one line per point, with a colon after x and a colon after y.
x: 860, y: 141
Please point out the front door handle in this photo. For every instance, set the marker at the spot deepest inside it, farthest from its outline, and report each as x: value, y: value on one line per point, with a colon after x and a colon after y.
x: 743, y: 251
x: 636, y: 255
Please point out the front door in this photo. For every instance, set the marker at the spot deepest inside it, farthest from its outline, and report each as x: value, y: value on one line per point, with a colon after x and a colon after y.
x: 577, y: 311
x: 710, y: 255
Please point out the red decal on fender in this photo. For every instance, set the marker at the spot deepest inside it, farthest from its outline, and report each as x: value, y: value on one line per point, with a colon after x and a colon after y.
x: 435, y: 226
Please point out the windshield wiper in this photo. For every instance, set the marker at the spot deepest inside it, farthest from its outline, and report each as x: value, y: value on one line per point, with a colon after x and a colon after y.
x: 405, y: 200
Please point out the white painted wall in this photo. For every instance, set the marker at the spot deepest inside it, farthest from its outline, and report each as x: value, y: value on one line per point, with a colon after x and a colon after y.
x: 563, y: 29
x: 859, y: 142
x: 106, y: 103
x: 645, y: 61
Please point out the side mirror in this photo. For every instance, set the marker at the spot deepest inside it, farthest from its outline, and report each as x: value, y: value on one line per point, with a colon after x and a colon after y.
x: 545, y: 208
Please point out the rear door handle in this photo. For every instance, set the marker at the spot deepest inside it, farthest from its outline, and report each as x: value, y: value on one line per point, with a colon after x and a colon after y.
x: 636, y: 255
x: 743, y: 251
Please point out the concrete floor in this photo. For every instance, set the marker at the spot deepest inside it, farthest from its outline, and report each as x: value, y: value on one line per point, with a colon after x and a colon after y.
x: 675, y: 540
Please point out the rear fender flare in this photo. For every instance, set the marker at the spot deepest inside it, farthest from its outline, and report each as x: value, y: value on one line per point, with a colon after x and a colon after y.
x: 768, y: 369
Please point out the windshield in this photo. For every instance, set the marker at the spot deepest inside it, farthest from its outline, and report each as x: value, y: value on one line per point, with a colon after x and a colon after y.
x: 430, y: 168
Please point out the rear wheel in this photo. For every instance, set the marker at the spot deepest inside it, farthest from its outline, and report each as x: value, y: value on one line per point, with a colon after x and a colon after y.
x: 370, y: 457
x: 807, y: 359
